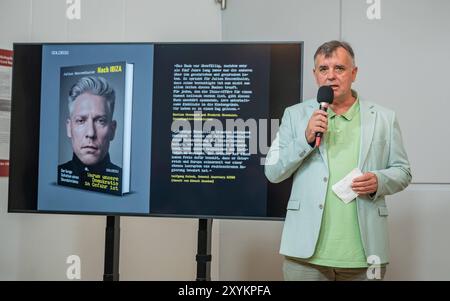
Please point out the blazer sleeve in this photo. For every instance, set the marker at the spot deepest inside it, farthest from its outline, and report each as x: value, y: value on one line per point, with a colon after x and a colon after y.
x: 287, y: 151
x: 397, y: 175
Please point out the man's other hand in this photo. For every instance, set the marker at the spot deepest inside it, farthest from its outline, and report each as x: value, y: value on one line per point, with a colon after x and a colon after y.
x: 365, y: 184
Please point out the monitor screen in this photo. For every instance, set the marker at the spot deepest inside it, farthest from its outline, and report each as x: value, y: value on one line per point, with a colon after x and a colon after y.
x: 151, y: 129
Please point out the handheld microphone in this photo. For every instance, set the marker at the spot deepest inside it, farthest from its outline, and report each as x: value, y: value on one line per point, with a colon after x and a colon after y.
x: 325, y: 97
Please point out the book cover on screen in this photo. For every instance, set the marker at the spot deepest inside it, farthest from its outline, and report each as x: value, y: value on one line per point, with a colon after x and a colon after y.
x: 95, y: 127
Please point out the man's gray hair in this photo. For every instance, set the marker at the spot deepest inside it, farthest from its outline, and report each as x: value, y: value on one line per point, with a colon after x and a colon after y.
x: 327, y: 49
x: 95, y: 86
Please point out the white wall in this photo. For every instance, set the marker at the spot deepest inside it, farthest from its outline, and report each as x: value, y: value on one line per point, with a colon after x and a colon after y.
x: 35, y: 247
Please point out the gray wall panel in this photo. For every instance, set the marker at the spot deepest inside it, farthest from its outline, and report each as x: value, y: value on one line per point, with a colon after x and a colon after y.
x: 403, y: 64
x: 419, y: 239
x: 100, y: 21
x: 49, y: 21
x: 15, y: 22
x: 286, y: 20
x: 177, y: 20
x: 249, y: 250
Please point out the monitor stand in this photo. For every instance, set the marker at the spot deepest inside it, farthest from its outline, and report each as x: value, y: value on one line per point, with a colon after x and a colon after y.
x: 112, y: 248
x: 203, y: 257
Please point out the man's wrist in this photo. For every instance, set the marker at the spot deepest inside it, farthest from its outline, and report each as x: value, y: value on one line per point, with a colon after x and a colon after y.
x: 312, y: 143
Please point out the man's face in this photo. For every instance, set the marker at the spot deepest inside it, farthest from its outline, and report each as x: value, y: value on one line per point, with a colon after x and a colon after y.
x: 90, y: 128
x: 336, y: 71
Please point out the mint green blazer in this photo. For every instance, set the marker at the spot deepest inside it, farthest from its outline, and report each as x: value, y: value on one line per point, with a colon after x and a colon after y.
x: 381, y: 152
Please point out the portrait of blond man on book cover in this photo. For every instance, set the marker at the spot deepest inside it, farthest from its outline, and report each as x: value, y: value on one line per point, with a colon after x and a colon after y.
x: 90, y: 126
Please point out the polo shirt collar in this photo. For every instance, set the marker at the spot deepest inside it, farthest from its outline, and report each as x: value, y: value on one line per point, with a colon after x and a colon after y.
x: 354, y: 109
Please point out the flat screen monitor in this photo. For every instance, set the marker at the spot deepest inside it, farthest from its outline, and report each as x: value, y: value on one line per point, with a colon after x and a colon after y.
x: 150, y: 129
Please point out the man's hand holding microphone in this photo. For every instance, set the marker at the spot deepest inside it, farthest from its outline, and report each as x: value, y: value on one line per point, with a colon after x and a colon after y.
x: 318, y: 123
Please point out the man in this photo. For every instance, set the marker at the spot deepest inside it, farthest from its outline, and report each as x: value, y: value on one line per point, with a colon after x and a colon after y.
x: 91, y: 128
x: 323, y: 237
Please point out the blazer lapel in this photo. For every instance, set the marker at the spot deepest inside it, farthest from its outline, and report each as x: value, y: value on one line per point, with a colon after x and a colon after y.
x: 368, y: 117
x: 323, y: 150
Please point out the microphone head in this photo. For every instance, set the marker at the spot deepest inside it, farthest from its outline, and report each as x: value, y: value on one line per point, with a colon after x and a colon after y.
x: 325, y: 94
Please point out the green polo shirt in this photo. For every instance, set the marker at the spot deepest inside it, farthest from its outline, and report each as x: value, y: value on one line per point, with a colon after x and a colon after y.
x: 339, y: 244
